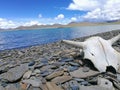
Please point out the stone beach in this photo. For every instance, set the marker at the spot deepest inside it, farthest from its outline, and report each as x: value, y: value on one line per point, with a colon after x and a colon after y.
x: 55, y: 66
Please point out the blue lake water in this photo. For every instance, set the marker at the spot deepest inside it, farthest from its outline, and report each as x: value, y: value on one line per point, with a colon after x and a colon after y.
x: 25, y: 38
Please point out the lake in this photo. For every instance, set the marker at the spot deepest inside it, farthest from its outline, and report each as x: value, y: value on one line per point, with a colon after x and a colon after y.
x: 25, y: 38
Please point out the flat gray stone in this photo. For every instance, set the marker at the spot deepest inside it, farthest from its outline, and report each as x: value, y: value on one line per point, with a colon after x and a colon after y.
x: 15, y: 73
x: 61, y: 79
x: 81, y: 74
x: 55, y: 74
x: 93, y: 88
x: 11, y: 87
x: 35, y: 83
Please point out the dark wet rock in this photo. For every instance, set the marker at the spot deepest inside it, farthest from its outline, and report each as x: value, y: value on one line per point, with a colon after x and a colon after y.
x: 66, y: 59
x: 31, y: 63
x: 80, y: 74
x: 61, y: 79
x: 15, y: 74
x: 55, y: 74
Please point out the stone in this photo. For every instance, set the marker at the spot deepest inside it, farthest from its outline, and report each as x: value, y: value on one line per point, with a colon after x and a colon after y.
x: 44, y: 60
x: 79, y: 79
x: 24, y: 86
x: 72, y: 68
x: 15, y: 73
x: 11, y: 87
x: 85, y: 83
x: 44, y: 87
x: 61, y: 79
x: 66, y: 59
x: 27, y: 74
x: 31, y: 63
x: 34, y: 83
x: 80, y: 74
x: 53, y: 86
x: 74, y: 64
x: 39, y: 66
x: 74, y: 85
x: 93, y: 88
x: 37, y: 71
x: 44, y: 74
x: 55, y: 74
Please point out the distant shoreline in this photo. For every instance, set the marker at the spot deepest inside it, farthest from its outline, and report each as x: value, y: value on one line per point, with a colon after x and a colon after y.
x: 73, y: 24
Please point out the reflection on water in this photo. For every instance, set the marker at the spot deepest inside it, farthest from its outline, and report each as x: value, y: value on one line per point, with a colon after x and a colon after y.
x: 23, y: 38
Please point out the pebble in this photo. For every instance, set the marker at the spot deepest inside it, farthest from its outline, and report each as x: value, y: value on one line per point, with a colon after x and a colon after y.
x: 44, y: 60
x: 39, y: 66
x: 54, y: 74
x: 74, y: 64
x: 37, y: 71
x: 31, y: 63
x: 27, y: 74
x: 72, y: 68
x: 66, y: 59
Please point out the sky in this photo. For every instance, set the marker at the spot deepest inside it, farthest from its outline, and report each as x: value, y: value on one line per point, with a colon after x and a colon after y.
x: 14, y: 13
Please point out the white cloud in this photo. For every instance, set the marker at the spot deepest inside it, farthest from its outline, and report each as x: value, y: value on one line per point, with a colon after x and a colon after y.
x: 73, y: 19
x: 98, y: 9
x: 84, y: 5
x: 40, y: 15
x: 32, y: 23
x: 4, y: 23
x: 60, y: 16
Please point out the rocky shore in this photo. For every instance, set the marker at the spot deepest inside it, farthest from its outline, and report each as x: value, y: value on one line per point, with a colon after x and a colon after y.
x: 54, y: 66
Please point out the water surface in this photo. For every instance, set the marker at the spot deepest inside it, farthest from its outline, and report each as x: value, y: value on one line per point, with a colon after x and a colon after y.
x: 25, y: 38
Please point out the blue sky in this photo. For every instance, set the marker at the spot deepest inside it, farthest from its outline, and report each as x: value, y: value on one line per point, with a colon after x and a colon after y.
x: 15, y: 13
